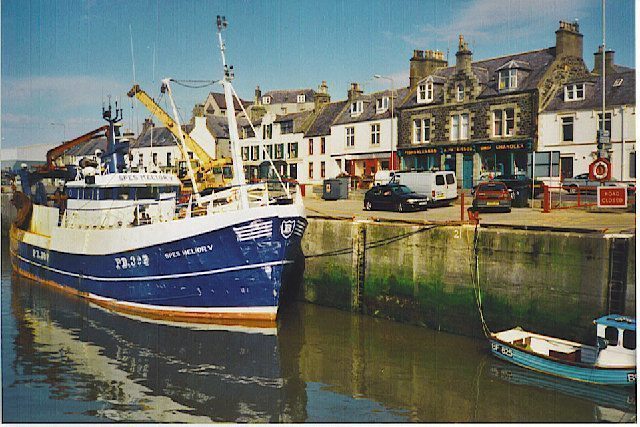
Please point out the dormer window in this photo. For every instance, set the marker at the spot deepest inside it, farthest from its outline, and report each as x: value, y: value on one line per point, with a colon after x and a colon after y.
x: 301, y: 99
x: 356, y: 108
x: 425, y: 92
x: 574, y: 92
x: 508, y: 79
x: 382, y: 104
x: 617, y: 83
x: 266, y: 100
x: 460, y: 93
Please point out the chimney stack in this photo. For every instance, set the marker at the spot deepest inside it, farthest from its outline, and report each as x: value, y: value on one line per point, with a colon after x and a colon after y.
x: 258, y: 96
x: 322, y: 96
x: 424, y: 63
x: 608, y: 62
x: 568, y: 40
x: 148, y: 124
x: 463, y: 56
x: 354, y: 91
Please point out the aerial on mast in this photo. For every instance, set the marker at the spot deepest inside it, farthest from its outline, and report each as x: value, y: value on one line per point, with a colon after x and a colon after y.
x: 236, y: 155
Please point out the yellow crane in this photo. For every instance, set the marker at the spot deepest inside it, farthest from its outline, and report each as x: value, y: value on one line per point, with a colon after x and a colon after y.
x: 209, y: 172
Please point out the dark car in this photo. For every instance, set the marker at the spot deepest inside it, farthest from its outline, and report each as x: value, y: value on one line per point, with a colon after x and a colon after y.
x: 394, y: 197
x: 492, y: 195
x: 518, y: 183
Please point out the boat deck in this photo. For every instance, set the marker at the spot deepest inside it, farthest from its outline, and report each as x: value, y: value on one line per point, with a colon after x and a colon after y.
x: 555, y: 348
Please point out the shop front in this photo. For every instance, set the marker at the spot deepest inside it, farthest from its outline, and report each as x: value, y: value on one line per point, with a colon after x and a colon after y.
x: 470, y: 161
x: 362, y: 167
x: 504, y: 158
x: 423, y: 158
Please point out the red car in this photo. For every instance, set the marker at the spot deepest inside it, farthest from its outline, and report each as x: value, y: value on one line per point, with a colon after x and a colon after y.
x: 493, y: 195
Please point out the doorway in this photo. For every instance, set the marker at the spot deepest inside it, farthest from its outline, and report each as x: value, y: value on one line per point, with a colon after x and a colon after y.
x: 566, y: 167
x: 467, y: 170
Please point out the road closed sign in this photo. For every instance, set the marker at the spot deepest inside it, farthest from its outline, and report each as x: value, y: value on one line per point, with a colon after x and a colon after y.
x: 612, y: 197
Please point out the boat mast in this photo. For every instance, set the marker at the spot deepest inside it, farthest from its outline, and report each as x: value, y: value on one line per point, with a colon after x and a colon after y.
x: 236, y: 155
x: 115, y: 160
x: 167, y: 88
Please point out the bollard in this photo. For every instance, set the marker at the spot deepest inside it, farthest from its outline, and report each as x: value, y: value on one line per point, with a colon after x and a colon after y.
x: 546, y: 201
x: 462, y: 207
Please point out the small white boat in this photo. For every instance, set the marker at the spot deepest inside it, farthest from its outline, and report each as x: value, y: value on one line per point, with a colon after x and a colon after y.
x: 611, y: 362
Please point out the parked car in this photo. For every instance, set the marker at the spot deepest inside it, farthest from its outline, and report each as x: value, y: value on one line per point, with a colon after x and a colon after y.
x: 492, y: 195
x: 394, y: 197
x: 585, y: 185
x: 440, y: 186
x: 579, y: 182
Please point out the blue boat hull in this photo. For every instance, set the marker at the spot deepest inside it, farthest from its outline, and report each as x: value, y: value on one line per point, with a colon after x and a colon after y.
x: 572, y: 371
x: 232, y: 272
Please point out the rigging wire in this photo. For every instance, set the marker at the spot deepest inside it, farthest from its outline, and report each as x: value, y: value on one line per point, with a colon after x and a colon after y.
x: 188, y: 83
x: 475, y: 277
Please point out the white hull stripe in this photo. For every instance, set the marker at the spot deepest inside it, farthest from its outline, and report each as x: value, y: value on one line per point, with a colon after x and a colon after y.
x: 166, y: 276
x: 265, y: 309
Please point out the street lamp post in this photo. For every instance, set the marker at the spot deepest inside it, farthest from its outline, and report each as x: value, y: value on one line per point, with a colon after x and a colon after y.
x: 64, y: 129
x: 378, y: 76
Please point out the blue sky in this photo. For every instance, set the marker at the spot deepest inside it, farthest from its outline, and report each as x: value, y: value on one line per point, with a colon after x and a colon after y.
x: 61, y: 58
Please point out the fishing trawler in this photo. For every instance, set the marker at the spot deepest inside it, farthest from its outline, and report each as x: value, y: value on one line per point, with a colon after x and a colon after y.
x: 123, y: 240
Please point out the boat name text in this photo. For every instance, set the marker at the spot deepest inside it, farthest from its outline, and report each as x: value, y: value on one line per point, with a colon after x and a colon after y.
x: 189, y: 251
x: 133, y: 261
x: 40, y: 255
x: 502, y: 349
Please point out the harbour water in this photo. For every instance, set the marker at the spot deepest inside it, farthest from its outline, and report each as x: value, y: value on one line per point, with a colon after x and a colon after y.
x: 64, y: 360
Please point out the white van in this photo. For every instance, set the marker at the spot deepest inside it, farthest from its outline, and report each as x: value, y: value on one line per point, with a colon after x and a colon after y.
x: 441, y: 186
x: 383, y: 177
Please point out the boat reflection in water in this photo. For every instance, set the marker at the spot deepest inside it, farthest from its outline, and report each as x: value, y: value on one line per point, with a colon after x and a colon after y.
x: 137, y: 370
x: 613, y: 404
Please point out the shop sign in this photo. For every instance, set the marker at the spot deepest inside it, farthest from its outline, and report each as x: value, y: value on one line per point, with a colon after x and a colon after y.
x: 504, y: 146
x: 416, y: 151
x: 483, y: 148
x: 612, y: 197
x: 512, y: 146
x: 458, y: 149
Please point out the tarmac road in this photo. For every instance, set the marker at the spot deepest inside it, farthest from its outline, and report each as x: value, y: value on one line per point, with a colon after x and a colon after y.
x: 609, y: 221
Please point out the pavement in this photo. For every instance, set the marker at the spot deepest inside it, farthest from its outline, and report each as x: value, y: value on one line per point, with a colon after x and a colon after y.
x: 584, y: 220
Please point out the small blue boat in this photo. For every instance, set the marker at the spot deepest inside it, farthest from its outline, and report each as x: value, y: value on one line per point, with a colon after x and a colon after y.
x: 611, y: 362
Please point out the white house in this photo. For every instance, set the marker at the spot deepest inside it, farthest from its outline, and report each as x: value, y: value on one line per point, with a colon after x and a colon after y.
x: 570, y: 123
x: 318, y: 164
x: 364, y: 135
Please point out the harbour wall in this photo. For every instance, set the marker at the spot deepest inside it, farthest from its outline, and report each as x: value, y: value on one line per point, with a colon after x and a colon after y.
x: 547, y: 281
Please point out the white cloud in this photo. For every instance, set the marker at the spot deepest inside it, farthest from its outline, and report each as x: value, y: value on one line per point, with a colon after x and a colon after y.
x: 492, y: 20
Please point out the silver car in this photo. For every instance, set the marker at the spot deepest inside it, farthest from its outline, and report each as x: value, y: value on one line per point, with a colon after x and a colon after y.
x: 579, y: 182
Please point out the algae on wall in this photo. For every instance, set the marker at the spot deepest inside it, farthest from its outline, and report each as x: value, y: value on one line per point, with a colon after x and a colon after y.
x: 554, y: 283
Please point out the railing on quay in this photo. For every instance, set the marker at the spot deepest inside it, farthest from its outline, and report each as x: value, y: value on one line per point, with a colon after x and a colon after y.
x: 575, y: 197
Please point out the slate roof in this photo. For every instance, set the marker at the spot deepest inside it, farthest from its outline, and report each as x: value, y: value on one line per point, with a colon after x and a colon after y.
x: 219, y: 99
x: 218, y: 126
x: 162, y: 137
x: 87, y: 148
x: 369, y: 107
x: 325, y: 118
x: 532, y: 65
x: 290, y: 95
x: 625, y: 94
x: 300, y: 120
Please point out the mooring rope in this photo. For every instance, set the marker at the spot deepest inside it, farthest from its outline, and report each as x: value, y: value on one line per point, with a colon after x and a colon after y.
x: 475, y: 276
